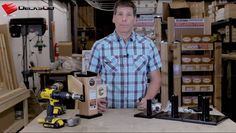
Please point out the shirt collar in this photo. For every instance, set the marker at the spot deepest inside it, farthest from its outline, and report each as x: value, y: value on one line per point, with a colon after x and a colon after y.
x: 116, y: 36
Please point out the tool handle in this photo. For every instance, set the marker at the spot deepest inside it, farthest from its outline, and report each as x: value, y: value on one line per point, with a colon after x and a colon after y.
x: 49, y: 113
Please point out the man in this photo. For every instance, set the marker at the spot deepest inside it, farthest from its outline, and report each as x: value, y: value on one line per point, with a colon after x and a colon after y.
x: 123, y: 59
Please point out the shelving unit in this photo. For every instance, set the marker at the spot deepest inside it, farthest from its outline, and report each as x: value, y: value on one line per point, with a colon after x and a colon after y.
x: 198, y: 72
x: 226, y: 29
x: 192, y: 83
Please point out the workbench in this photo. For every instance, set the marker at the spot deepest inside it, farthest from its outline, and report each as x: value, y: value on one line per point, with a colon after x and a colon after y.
x: 122, y: 120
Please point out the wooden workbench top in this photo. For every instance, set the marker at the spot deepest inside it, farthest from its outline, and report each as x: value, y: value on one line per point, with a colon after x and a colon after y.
x: 122, y: 120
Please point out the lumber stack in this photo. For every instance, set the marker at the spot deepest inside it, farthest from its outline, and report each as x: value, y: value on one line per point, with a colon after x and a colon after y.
x: 8, y: 78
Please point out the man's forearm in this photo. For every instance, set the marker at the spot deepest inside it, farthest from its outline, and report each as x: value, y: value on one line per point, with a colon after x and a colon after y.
x: 154, y: 85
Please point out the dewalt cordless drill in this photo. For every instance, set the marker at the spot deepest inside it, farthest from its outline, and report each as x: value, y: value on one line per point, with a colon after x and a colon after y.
x: 53, y: 95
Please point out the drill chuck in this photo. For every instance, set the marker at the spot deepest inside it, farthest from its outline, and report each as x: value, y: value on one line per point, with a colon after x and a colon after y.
x: 77, y: 97
x: 61, y: 95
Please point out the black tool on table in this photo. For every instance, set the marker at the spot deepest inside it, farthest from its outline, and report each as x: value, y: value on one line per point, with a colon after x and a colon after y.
x: 198, y: 108
x: 149, y: 113
x: 205, y: 117
x: 174, y: 114
x: 201, y: 118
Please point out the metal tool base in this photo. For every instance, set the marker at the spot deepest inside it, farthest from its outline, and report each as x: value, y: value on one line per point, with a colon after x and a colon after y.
x: 197, y: 118
x: 144, y: 114
x: 197, y: 109
x: 89, y: 117
x: 193, y: 118
x: 167, y: 116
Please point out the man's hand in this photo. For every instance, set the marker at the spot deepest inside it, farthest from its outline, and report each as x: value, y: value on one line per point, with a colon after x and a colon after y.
x: 142, y: 104
x: 102, y: 105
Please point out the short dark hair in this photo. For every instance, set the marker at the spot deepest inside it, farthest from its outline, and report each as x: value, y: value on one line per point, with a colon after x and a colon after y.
x: 124, y: 3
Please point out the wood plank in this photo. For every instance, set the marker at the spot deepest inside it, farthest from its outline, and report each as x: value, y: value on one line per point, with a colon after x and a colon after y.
x: 229, y: 56
x: 197, y: 88
x: 197, y: 67
x: 197, y: 46
x: 157, y: 30
x: 5, y: 75
x: 2, y: 83
x: 5, y: 30
x: 8, y: 69
x: 177, y: 70
x: 164, y: 75
x: 218, y: 75
x: 1, y: 65
x: 25, y: 110
x: 171, y: 29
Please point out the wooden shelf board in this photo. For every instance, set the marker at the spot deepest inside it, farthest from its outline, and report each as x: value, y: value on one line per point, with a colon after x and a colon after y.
x: 196, y: 46
x: 17, y: 125
x: 12, y: 97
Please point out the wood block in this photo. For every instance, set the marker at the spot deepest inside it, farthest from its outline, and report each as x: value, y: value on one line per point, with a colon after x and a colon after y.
x: 74, y: 85
x: 89, y: 107
x: 164, y: 75
x: 218, y: 75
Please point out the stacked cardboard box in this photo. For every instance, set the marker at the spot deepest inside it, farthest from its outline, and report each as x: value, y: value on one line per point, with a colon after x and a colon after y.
x: 65, y: 48
x: 227, y: 12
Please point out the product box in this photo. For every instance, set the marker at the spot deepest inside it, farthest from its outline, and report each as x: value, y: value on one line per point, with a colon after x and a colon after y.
x: 65, y: 48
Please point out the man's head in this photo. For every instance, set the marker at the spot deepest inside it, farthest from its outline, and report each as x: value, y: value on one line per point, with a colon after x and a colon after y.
x: 124, y: 17
x: 124, y: 3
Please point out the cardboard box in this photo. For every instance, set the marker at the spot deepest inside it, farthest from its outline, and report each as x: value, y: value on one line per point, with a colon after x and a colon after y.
x: 7, y: 118
x: 65, y: 48
x: 229, y: 11
x: 188, y: 27
x: 197, y: 9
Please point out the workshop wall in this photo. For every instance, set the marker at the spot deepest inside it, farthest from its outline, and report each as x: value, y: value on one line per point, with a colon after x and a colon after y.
x: 61, y: 16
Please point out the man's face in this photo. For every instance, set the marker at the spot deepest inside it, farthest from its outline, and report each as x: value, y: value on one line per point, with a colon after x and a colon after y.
x: 124, y: 19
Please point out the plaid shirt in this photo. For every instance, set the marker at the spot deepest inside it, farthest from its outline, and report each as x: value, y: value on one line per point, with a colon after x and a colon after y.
x: 124, y: 67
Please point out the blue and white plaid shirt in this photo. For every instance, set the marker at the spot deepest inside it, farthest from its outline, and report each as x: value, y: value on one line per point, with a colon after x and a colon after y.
x: 124, y: 67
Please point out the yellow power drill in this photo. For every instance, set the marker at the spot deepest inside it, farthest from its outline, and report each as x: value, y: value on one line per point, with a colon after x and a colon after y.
x: 59, y: 109
x: 53, y: 94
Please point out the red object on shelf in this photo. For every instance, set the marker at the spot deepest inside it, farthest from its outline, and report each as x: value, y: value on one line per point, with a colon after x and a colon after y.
x: 56, y: 51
